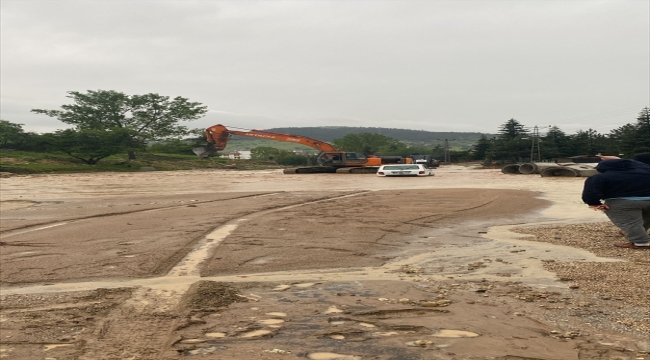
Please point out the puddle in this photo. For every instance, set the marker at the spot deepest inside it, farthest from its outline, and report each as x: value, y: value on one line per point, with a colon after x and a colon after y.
x: 518, y: 257
x: 24, y: 253
x: 276, y: 314
x: 256, y: 333
x: 208, y: 350
x: 16, y: 204
x: 337, y: 337
x: 419, y: 343
x: 331, y: 356
x: 192, y: 341
x: 455, y: 334
x: 333, y: 309
x: 367, y: 325
x: 54, y: 346
x: 216, y: 335
x: 305, y: 285
x: 390, y: 333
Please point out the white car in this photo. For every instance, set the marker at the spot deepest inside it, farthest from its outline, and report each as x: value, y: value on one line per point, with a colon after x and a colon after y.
x: 404, y: 170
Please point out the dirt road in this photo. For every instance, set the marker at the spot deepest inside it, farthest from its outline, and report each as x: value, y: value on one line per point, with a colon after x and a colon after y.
x: 259, y: 264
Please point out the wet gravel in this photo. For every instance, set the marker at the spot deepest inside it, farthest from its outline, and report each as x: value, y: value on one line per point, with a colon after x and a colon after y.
x: 615, y: 294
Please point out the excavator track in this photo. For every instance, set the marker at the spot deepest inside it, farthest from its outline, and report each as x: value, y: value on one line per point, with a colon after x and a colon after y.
x: 310, y: 170
x: 358, y: 170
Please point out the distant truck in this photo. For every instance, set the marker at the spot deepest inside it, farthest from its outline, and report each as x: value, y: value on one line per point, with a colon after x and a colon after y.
x: 425, y: 159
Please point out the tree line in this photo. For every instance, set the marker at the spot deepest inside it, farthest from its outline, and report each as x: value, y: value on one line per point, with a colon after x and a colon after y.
x: 516, y: 143
x: 109, y: 122
x: 421, y: 137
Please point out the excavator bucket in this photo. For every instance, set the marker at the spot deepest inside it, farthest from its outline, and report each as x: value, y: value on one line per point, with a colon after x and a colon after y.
x: 204, y: 151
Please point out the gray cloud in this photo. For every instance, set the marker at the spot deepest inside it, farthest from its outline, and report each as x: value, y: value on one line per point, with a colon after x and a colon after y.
x: 431, y: 65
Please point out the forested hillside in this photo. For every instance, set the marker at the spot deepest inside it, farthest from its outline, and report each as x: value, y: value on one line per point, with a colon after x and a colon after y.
x: 460, y: 140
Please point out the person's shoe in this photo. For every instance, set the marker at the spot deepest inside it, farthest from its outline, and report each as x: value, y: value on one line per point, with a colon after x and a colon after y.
x: 629, y: 245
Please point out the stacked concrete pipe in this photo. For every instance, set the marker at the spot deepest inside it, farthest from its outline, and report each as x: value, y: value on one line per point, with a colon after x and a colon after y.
x: 570, y: 170
x: 511, y: 169
x: 548, y: 169
x: 559, y: 171
x: 584, y: 170
x: 536, y: 168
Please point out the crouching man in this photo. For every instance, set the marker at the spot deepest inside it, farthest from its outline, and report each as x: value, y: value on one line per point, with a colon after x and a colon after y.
x: 624, y: 186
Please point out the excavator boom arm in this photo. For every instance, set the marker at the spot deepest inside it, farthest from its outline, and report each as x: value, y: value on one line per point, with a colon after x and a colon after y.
x: 329, y: 158
x: 218, y: 136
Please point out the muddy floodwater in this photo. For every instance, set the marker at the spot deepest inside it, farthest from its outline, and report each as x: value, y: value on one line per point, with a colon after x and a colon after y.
x: 224, y: 264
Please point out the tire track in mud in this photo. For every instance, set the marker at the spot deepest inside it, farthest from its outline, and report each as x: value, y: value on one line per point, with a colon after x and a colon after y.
x: 40, y: 226
x: 154, y: 305
x: 184, y: 270
x: 177, y: 237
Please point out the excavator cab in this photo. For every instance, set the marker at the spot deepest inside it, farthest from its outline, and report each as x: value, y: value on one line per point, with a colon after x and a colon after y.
x: 340, y: 159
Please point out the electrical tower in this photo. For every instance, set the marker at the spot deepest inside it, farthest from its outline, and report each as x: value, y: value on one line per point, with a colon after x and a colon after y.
x: 535, y: 153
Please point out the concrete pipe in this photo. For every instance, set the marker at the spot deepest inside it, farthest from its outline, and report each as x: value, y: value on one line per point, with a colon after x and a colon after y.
x: 584, y: 170
x: 587, y: 172
x: 559, y: 171
x: 535, y: 168
x: 511, y: 169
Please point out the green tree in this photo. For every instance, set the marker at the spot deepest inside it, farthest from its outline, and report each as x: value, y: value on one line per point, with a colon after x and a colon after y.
x: 282, y: 157
x: 172, y: 146
x: 460, y: 155
x: 511, y: 150
x: 512, y: 129
x: 180, y: 145
x: 89, y: 145
x: 11, y: 134
x: 588, y: 142
x: 631, y: 139
x: 555, y: 143
x: 266, y: 153
x: 147, y: 117
x: 512, y: 143
x: 642, y: 128
x: 622, y: 141
x: 370, y: 144
x: 481, y: 150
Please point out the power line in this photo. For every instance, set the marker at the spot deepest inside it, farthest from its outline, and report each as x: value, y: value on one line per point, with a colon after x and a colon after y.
x: 603, y: 115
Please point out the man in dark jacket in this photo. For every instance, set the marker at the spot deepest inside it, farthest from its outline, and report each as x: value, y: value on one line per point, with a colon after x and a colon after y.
x: 642, y: 157
x: 624, y: 185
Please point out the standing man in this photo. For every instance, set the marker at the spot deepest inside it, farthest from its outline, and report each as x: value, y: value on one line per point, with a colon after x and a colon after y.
x: 624, y: 185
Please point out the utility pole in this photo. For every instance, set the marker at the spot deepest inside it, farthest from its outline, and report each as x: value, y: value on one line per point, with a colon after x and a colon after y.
x: 446, y: 149
x: 535, y: 153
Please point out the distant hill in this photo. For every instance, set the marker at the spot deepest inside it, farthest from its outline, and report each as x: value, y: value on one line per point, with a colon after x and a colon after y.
x: 329, y: 133
x: 457, y: 140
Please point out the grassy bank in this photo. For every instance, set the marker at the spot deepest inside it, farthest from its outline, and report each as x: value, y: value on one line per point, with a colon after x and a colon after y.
x: 23, y: 162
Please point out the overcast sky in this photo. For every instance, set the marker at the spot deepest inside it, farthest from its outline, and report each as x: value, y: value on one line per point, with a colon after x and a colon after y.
x: 436, y: 65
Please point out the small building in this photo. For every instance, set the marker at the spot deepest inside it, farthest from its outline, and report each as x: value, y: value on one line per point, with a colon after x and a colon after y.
x: 237, y: 154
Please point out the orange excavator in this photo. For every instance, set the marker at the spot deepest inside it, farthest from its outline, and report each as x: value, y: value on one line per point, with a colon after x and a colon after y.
x: 329, y: 159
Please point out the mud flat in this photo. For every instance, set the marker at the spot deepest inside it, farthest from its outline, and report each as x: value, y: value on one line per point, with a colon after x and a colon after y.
x: 468, y: 264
